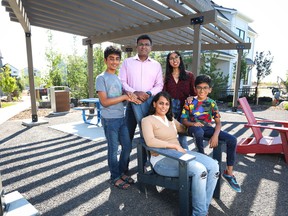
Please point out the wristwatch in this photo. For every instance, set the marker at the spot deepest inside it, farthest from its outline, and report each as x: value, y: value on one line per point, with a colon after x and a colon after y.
x: 149, y: 93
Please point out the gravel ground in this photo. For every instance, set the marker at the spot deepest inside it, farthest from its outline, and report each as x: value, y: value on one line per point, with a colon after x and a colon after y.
x: 62, y: 174
x: 27, y: 114
x: 44, y: 112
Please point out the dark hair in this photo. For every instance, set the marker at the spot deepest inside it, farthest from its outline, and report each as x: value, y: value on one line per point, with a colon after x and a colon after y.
x: 203, y: 79
x: 144, y: 37
x: 111, y: 50
x: 169, y: 69
x: 152, y: 109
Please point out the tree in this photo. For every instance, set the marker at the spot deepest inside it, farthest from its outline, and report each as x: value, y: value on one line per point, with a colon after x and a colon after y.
x: 209, y: 67
x: 55, y: 62
x: 8, y: 84
x: 77, y: 76
x: 98, y: 61
x: 263, y: 63
x: 159, y: 57
x: 284, y: 82
x: 243, y: 69
x: 20, y: 87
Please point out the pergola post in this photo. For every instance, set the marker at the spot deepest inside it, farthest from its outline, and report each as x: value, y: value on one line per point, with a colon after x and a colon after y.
x: 196, y: 44
x: 237, y: 79
x: 90, y: 70
x: 31, y: 77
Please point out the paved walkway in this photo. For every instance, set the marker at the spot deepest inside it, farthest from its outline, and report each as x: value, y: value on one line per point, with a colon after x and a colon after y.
x: 10, y: 111
x: 62, y: 174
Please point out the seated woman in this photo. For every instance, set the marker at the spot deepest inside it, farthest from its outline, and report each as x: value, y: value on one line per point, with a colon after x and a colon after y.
x: 160, y: 131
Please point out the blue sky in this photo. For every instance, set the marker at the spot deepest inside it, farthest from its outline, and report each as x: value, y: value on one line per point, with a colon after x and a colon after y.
x: 269, y: 22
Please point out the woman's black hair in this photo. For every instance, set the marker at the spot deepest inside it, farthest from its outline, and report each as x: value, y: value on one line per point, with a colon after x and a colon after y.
x: 169, y: 69
x: 152, y: 109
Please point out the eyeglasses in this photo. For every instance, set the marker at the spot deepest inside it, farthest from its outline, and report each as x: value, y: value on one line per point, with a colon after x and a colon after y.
x: 175, y: 58
x: 205, y: 88
x: 144, y: 45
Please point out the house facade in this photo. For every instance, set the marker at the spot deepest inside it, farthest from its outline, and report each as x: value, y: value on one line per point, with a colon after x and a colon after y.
x: 239, y: 24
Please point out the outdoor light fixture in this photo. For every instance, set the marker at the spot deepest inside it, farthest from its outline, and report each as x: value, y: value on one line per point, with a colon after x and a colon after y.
x: 129, y: 49
x: 197, y: 20
x: 240, y: 46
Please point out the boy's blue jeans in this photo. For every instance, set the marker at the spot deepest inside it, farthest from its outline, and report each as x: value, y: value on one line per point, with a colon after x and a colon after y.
x: 116, y: 132
x: 207, y: 131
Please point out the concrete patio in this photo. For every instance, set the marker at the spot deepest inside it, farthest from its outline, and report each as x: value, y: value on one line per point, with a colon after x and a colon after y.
x: 64, y: 174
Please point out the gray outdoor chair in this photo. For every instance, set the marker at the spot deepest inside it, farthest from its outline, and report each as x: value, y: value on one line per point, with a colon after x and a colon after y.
x: 147, y: 176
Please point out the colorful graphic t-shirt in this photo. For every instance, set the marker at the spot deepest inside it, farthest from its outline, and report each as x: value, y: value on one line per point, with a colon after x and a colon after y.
x: 200, y: 111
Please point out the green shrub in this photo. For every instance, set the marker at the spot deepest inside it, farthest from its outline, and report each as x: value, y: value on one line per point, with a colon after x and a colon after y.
x: 285, y: 105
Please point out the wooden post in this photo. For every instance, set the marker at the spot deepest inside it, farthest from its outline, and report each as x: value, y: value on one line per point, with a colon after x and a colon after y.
x: 31, y: 77
x: 91, y: 80
x: 237, y: 80
x: 196, y: 49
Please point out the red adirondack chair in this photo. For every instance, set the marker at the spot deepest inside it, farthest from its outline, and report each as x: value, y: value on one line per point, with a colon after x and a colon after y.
x: 260, y: 144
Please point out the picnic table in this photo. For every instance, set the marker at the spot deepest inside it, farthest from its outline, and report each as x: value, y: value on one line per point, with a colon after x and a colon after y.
x: 88, y: 112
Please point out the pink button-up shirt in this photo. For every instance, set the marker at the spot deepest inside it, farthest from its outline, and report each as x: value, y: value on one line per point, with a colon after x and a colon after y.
x: 136, y: 75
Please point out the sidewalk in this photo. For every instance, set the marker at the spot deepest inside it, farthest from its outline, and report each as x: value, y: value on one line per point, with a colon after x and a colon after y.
x: 10, y: 111
x: 62, y: 174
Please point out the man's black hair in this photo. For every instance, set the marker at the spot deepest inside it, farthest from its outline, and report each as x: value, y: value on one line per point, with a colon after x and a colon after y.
x: 144, y: 37
x: 112, y: 50
x: 203, y: 79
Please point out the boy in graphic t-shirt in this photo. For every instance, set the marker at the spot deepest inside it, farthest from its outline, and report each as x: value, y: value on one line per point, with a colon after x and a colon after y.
x: 197, y: 116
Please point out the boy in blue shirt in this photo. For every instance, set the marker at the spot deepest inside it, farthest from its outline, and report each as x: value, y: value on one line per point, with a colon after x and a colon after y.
x: 197, y: 117
x: 109, y: 89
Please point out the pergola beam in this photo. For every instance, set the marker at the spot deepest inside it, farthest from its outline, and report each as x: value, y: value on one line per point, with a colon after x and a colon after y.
x: 230, y: 46
x: 225, y: 29
x: 210, y: 17
x: 20, y: 13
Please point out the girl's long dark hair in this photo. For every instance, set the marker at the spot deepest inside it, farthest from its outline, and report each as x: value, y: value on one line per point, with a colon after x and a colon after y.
x: 169, y: 68
x: 152, y: 109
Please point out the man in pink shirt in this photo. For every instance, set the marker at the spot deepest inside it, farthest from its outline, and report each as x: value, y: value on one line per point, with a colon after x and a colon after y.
x: 142, y: 76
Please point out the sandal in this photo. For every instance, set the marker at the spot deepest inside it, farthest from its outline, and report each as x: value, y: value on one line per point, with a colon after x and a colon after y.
x: 127, y: 179
x: 122, y: 185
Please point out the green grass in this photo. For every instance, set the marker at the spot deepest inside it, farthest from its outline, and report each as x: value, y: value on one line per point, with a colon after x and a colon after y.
x: 7, y: 104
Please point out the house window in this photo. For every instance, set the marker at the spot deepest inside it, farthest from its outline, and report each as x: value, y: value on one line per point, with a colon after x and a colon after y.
x: 245, y: 80
x: 241, y: 33
x: 248, y: 41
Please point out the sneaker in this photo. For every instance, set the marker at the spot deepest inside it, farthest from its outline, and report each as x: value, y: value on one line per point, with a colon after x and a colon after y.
x: 231, y: 180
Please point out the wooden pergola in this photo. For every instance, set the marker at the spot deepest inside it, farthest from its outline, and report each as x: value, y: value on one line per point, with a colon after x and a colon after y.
x: 172, y: 25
